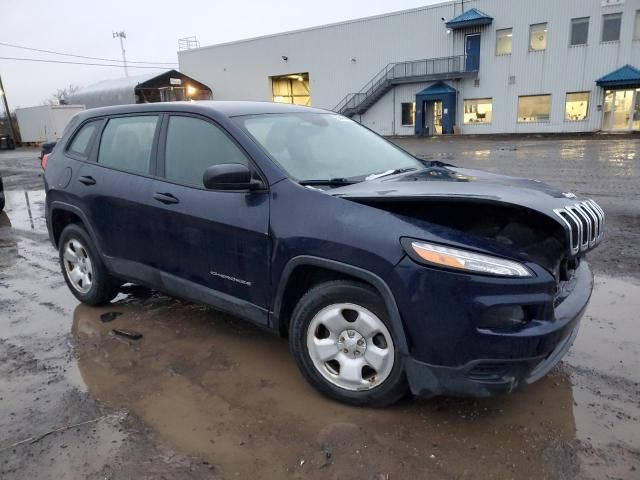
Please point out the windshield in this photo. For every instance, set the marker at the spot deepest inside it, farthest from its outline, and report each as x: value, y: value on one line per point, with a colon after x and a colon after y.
x: 318, y: 146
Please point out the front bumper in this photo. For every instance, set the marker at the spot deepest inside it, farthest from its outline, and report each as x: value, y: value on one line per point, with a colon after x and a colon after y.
x: 489, y: 362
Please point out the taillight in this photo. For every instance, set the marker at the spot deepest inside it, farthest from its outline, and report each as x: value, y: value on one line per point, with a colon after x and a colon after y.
x: 44, y: 160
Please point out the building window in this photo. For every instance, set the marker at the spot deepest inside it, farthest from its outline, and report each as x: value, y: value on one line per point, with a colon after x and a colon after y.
x: 534, y: 108
x: 636, y: 26
x: 538, y: 37
x: 292, y: 88
x: 611, y: 27
x: 478, y: 110
x: 504, y: 41
x: 579, y: 31
x: 576, y: 106
x: 408, y: 114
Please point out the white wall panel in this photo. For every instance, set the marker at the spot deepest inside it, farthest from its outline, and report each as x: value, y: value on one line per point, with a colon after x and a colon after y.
x: 241, y: 70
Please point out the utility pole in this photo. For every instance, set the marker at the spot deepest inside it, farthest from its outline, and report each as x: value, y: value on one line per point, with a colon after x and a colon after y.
x: 3, y: 94
x: 122, y: 35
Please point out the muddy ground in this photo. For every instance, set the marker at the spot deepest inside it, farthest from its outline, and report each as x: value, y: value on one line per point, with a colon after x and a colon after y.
x: 204, y: 395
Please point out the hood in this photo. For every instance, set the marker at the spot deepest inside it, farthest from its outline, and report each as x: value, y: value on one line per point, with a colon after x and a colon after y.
x: 459, y: 184
x: 460, y: 189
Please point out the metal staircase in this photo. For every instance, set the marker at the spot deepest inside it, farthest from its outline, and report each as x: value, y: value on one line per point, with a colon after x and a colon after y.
x: 415, y: 71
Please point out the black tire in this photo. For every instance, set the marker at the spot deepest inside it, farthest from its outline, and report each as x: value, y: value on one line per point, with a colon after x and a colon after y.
x: 1, y: 202
x: 103, y: 286
x: 389, y: 391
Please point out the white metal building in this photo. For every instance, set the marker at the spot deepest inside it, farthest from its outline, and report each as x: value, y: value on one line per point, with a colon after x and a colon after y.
x: 473, y: 66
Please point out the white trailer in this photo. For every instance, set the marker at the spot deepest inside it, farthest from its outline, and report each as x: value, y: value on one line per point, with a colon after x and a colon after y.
x: 44, y: 123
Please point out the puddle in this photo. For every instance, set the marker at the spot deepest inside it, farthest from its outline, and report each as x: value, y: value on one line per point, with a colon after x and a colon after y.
x: 231, y: 393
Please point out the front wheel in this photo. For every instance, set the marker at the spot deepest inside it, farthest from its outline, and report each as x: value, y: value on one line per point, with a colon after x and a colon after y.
x: 82, y: 267
x: 342, y: 343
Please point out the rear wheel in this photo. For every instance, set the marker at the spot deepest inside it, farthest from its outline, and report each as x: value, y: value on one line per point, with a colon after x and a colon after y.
x: 82, y: 267
x: 342, y: 342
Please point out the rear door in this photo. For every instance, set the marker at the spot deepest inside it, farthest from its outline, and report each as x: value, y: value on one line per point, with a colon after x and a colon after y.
x: 216, y: 239
x: 115, y: 188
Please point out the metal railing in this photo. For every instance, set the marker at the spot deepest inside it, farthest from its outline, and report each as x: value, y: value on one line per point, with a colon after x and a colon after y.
x: 436, y: 67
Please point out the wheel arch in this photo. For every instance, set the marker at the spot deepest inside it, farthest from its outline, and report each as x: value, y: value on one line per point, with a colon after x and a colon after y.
x: 62, y: 214
x: 287, y: 294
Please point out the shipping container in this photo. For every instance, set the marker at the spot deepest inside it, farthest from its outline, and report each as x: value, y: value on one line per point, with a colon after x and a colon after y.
x: 45, y: 123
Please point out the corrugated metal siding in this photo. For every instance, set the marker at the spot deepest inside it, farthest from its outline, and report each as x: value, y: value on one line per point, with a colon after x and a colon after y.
x: 241, y: 70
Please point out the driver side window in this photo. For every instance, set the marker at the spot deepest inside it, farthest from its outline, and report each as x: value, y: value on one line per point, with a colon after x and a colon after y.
x: 193, y: 145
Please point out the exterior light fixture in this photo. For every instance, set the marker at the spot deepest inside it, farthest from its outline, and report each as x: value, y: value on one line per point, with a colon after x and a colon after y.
x: 285, y: 58
x: 191, y: 90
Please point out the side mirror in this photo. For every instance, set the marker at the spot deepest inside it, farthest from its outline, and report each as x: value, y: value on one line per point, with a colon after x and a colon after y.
x: 229, y: 176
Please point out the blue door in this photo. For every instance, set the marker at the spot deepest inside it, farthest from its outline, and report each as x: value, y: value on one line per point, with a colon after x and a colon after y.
x: 472, y: 51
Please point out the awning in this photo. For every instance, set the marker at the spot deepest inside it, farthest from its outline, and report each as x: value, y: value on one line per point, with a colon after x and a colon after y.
x: 626, y: 76
x: 436, y: 89
x: 470, y: 18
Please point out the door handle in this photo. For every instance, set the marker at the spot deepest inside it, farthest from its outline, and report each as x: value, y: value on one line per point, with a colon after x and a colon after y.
x: 88, y: 180
x: 165, y: 198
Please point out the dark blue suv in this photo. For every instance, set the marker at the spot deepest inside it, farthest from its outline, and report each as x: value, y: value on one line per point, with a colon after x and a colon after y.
x: 389, y: 274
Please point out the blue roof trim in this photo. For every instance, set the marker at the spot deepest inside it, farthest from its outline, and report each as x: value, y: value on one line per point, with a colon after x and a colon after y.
x: 439, y: 88
x: 470, y: 18
x: 622, y: 77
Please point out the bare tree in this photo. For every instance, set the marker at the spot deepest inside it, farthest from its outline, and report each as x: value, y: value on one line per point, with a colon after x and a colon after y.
x: 60, y: 97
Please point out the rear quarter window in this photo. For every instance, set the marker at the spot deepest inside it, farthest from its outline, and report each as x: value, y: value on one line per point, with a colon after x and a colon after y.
x: 127, y: 142
x: 81, y: 143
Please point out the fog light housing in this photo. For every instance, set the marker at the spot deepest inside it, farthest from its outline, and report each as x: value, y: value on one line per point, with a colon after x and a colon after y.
x: 504, y: 317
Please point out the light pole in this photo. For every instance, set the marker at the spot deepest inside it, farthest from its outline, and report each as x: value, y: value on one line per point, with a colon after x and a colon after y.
x: 122, y: 35
x: 3, y: 94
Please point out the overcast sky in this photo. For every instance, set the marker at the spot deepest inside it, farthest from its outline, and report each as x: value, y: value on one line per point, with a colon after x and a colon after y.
x: 84, y: 27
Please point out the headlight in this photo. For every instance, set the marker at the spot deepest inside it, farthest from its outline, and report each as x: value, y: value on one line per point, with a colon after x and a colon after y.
x: 458, y: 259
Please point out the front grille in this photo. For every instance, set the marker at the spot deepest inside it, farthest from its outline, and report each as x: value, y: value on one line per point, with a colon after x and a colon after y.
x: 585, y: 221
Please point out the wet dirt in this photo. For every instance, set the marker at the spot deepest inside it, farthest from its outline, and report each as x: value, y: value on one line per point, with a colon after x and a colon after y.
x: 205, y: 395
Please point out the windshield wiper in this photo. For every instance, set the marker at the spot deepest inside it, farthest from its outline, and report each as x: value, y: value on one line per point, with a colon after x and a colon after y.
x: 327, y: 181
x: 386, y: 173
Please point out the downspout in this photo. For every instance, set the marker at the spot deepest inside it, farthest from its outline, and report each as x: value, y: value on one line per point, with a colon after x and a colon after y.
x: 394, y: 112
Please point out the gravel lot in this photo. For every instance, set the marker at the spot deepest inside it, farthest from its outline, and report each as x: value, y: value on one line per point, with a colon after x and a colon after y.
x: 204, y: 395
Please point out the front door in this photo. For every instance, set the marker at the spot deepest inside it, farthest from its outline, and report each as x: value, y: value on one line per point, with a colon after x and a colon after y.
x: 432, y: 117
x: 621, y: 110
x: 472, y: 52
x: 437, y: 117
x: 218, y: 240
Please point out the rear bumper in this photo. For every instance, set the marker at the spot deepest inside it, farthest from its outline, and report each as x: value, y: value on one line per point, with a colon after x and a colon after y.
x: 490, y: 374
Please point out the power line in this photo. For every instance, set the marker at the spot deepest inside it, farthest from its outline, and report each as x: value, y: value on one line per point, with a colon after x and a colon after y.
x: 81, y: 56
x: 158, y: 67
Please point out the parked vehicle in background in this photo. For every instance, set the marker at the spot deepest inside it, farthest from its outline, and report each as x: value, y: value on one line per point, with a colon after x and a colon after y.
x: 388, y: 274
x: 6, y: 142
x: 46, y: 148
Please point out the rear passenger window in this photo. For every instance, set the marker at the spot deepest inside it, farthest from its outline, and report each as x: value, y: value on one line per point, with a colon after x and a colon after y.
x: 126, y: 143
x: 193, y: 145
x: 80, y: 143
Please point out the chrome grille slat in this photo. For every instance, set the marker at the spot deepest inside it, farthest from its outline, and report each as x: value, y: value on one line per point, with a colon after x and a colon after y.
x: 585, y: 224
x: 595, y: 230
